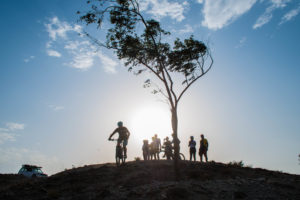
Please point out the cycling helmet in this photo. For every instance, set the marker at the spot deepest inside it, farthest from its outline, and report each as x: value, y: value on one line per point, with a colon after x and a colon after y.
x: 120, y: 123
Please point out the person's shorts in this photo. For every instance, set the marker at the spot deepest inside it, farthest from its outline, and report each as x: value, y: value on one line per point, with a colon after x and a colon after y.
x: 125, y: 141
x: 192, y: 150
x: 202, y: 151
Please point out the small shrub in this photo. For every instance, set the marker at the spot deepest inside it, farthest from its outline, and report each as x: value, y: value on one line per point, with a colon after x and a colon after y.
x: 236, y: 163
x: 137, y: 159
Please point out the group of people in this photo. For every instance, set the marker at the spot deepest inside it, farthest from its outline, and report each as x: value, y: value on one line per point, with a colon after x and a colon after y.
x: 202, y: 150
x: 152, y: 150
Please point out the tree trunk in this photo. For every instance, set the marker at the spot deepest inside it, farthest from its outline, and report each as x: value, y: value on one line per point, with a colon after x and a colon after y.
x: 176, y: 141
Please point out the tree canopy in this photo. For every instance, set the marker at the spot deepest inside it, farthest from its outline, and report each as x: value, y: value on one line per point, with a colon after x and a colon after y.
x: 146, y: 49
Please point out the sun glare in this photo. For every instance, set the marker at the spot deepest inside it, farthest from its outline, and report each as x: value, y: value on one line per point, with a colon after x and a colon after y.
x: 150, y: 120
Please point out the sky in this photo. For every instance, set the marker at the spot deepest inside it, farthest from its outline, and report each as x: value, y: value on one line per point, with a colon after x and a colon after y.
x: 61, y: 96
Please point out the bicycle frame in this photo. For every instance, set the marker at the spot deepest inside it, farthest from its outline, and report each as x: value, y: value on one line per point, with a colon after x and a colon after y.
x: 181, y: 156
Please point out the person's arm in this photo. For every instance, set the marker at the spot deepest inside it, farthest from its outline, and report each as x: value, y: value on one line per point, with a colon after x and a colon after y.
x: 115, y: 131
x: 128, y: 133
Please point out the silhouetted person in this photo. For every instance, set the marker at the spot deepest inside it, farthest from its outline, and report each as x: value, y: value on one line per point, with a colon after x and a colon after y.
x: 168, y: 148
x: 123, y: 136
x: 152, y: 149
x: 157, y: 146
x: 192, y: 145
x: 203, y: 148
x: 146, y: 150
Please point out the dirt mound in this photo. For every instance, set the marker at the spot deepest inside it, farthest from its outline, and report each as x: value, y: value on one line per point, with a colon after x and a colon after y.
x: 155, y: 180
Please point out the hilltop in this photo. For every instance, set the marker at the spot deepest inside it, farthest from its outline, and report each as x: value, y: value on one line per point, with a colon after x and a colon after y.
x: 155, y: 180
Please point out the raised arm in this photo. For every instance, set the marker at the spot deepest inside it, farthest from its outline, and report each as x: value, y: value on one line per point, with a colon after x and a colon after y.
x: 115, y: 131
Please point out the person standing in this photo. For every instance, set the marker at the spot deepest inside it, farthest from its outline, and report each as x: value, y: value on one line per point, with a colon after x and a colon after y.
x: 152, y: 149
x: 157, y: 146
x: 146, y: 150
x: 192, y: 145
x: 203, y: 148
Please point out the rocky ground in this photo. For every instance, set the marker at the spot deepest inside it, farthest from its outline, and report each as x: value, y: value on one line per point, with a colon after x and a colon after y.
x: 155, y: 180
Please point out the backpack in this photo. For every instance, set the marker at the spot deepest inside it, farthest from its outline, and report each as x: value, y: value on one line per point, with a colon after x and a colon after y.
x: 205, y: 143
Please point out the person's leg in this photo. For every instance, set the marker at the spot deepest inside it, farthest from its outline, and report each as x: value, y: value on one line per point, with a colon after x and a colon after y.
x: 201, y: 154
x: 125, y: 142
x: 158, y: 154
x: 205, y: 155
x: 194, y: 155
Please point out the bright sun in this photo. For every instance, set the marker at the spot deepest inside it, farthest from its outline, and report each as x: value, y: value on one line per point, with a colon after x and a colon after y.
x: 150, y: 120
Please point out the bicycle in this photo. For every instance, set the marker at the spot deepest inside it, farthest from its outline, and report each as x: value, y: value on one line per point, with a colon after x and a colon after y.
x: 163, y: 153
x: 120, y: 157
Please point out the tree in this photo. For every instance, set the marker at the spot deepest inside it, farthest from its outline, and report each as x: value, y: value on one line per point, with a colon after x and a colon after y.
x: 146, y: 50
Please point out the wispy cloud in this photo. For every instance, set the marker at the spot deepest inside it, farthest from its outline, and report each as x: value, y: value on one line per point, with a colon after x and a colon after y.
x: 6, y: 134
x: 241, y: 42
x: 57, y: 28
x: 53, y: 53
x: 29, y: 59
x: 108, y: 63
x: 290, y: 15
x: 15, y: 126
x: 220, y: 13
x: 4, y: 129
x: 164, y: 8
x: 268, y: 14
x: 187, y: 29
x: 56, y: 108
x: 81, y: 51
x: 7, y: 137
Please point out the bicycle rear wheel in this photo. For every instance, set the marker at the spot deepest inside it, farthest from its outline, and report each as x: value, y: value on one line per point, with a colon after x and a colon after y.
x: 162, y: 155
x: 182, y: 157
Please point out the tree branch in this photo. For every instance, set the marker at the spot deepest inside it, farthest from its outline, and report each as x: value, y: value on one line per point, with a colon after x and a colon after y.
x: 202, y: 74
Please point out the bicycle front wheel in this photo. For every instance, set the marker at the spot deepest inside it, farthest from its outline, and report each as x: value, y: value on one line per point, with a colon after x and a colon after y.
x: 119, y: 155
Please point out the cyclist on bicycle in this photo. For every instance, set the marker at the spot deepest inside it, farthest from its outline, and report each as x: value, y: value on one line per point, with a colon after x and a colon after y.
x: 123, y: 136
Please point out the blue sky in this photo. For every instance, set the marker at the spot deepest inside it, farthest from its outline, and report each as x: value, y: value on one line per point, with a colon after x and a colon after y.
x: 61, y: 97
